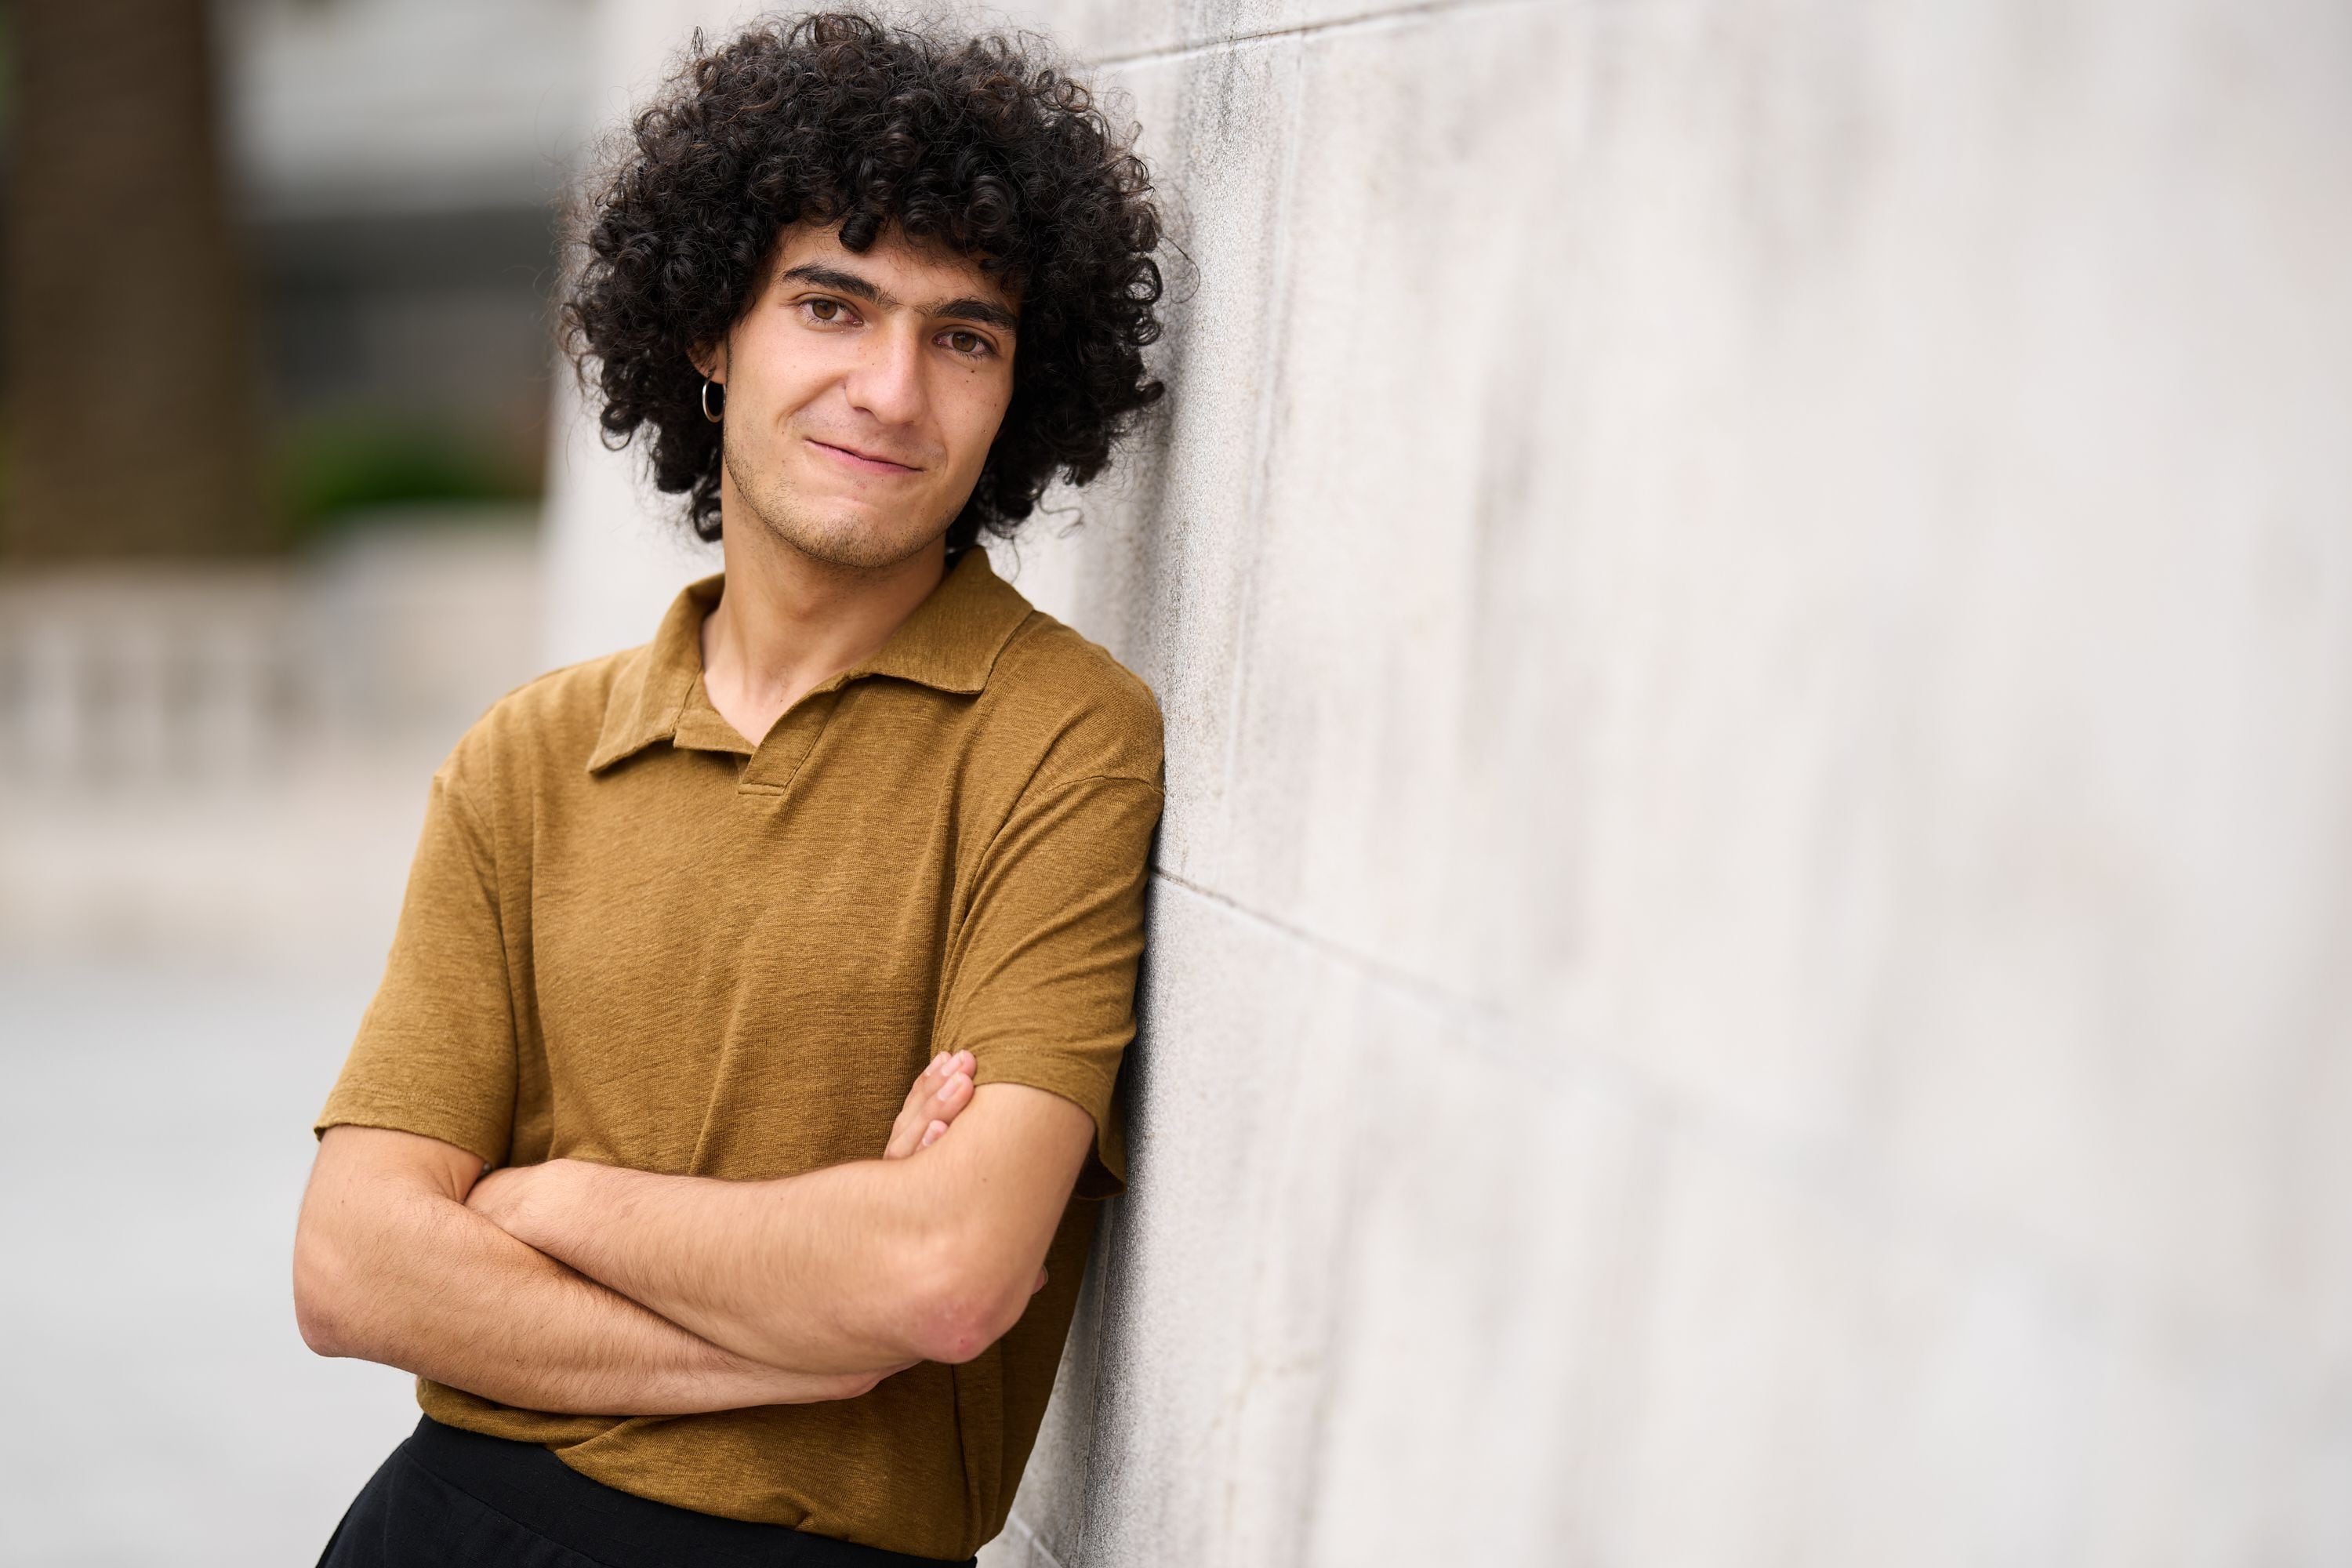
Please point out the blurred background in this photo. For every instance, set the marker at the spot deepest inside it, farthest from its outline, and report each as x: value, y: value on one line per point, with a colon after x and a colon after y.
x: 277, y: 350
x: 1754, y: 607
x: 275, y: 381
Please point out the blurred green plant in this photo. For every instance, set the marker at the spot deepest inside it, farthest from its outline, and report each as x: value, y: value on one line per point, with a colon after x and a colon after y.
x: 328, y: 471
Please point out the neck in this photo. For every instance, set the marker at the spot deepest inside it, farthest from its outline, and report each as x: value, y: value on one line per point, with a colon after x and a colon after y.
x: 787, y: 621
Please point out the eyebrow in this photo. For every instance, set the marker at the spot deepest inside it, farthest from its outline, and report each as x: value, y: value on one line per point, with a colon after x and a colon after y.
x: 965, y: 309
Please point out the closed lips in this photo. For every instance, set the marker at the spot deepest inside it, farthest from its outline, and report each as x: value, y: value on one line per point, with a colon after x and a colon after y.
x: 866, y: 458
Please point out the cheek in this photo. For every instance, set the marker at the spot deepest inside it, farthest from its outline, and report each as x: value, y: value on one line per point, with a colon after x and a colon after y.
x: 780, y: 376
x: 980, y: 403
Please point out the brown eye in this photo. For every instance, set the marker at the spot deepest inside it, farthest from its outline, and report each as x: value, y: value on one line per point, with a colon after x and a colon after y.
x: 825, y: 309
x: 963, y: 343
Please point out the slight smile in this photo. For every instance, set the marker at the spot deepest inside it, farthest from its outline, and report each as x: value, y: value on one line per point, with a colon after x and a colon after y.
x: 860, y: 460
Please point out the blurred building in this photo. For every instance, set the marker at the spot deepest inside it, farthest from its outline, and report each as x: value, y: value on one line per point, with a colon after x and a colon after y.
x: 204, y: 753
x: 212, y: 773
x: 399, y: 164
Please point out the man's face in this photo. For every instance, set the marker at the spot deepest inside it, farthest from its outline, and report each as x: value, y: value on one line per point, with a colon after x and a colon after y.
x: 863, y: 392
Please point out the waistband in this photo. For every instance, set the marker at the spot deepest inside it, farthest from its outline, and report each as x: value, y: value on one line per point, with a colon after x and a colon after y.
x: 529, y: 1485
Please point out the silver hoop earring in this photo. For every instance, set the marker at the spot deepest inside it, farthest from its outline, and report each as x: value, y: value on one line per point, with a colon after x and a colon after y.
x: 707, y: 385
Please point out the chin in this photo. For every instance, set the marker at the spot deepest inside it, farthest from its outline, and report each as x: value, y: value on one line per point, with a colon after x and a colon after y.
x: 857, y: 542
x: 825, y: 523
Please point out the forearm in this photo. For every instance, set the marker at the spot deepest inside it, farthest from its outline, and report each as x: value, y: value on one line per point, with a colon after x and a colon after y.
x: 434, y: 1289
x: 815, y: 1270
x: 931, y: 1257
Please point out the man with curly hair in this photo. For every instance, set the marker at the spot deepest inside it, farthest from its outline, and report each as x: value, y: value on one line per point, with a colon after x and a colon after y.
x: 625, y: 1163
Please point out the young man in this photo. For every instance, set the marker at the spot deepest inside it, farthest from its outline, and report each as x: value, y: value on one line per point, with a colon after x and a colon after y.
x: 716, y: 1149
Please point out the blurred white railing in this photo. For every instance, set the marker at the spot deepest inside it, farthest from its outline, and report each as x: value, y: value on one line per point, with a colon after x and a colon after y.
x: 201, y: 676
x: 215, y: 762
x: 135, y: 674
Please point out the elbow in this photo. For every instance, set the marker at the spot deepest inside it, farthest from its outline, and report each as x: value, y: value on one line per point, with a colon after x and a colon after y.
x: 319, y: 1313
x: 953, y: 1331
x: 319, y: 1332
x: 960, y: 1308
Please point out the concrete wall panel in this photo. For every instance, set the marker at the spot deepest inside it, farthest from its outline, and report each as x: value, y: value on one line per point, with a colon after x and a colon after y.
x: 1226, y: 1248
x: 1169, y: 601
x: 1231, y: 1265
x: 1495, y: 1293
x: 1791, y: 575
x: 1117, y: 32
x: 1847, y: 1383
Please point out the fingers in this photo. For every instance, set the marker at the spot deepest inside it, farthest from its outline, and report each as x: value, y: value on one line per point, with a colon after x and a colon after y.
x: 953, y: 1088
x: 936, y: 1098
x: 939, y: 1081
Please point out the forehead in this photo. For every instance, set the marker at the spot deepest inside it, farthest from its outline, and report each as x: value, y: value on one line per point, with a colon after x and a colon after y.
x: 918, y: 272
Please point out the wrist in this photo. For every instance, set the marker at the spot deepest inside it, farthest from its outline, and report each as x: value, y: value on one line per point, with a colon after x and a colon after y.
x: 541, y: 1218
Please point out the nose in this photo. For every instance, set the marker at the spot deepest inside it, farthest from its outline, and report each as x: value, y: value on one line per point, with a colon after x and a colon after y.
x: 887, y: 382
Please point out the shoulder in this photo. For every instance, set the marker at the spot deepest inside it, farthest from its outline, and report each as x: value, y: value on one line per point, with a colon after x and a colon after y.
x: 1088, y: 715
x: 551, y: 721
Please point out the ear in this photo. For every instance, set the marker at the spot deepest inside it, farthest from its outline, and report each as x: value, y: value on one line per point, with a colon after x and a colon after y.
x: 711, y: 362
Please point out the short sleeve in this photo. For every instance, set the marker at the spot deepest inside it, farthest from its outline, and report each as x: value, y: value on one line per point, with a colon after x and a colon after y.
x: 436, y: 1050
x: 1041, y: 981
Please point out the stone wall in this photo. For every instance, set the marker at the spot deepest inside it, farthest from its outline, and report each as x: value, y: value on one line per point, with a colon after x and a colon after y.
x: 1749, y: 961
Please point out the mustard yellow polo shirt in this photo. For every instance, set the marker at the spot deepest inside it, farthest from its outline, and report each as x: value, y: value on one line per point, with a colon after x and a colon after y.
x: 632, y: 936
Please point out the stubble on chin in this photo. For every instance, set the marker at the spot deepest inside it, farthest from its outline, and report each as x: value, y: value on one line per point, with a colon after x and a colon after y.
x: 771, y: 508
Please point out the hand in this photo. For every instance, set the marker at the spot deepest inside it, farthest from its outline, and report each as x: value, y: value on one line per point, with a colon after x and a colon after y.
x: 504, y: 1195
x: 941, y: 1092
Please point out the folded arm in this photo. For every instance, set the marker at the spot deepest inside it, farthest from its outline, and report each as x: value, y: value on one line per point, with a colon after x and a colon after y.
x: 391, y: 1266
x: 929, y: 1257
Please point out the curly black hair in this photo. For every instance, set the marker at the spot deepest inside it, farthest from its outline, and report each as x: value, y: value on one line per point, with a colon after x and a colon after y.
x: 980, y: 144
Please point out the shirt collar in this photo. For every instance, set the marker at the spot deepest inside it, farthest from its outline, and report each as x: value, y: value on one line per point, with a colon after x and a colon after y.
x: 949, y: 643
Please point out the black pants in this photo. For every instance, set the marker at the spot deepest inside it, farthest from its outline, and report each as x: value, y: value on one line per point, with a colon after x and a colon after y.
x: 451, y: 1499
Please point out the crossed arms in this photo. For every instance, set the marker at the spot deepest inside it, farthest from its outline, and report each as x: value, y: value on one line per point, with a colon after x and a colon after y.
x: 570, y: 1286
